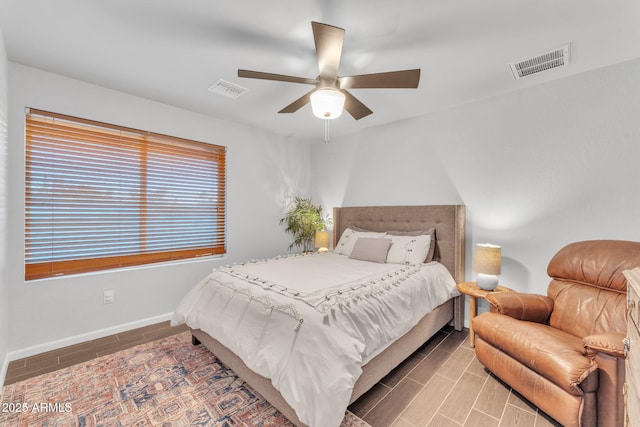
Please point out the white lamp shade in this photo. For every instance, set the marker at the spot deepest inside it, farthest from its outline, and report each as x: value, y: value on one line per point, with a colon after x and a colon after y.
x: 486, y: 259
x: 327, y: 103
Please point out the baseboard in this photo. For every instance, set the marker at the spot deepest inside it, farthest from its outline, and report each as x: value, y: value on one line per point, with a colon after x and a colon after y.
x: 3, y: 371
x: 77, y: 339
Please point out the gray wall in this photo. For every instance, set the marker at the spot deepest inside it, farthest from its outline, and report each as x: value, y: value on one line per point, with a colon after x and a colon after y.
x: 4, y: 304
x: 537, y: 168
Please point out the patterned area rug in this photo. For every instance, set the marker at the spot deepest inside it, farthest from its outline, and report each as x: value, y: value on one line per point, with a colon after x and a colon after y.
x: 166, y: 383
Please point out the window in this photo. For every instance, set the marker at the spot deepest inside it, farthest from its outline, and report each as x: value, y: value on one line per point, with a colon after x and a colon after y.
x: 100, y: 196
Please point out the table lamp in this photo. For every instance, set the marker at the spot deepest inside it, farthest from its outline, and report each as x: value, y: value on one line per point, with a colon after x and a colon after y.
x: 486, y: 262
x: 322, y: 241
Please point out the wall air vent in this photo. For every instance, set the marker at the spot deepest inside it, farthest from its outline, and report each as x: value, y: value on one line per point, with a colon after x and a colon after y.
x: 228, y: 89
x: 553, y: 59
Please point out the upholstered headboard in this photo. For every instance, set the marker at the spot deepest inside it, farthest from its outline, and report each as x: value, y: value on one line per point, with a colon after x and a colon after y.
x: 448, y: 220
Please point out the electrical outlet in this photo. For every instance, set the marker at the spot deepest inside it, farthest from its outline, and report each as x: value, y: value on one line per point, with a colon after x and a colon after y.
x: 107, y: 297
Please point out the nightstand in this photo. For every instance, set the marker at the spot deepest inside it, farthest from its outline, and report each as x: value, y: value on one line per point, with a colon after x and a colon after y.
x: 473, y: 290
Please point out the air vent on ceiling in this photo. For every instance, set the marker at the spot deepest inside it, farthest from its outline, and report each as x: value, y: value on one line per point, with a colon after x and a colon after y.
x: 553, y: 59
x: 228, y: 89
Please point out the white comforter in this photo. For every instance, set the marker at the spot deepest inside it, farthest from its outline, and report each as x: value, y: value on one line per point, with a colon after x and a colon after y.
x: 309, y: 323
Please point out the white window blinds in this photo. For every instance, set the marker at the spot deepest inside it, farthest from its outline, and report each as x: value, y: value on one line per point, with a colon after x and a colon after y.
x: 100, y: 196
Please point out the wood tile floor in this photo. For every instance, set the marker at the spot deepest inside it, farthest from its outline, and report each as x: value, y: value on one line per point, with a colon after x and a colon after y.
x: 442, y: 384
x: 22, y: 369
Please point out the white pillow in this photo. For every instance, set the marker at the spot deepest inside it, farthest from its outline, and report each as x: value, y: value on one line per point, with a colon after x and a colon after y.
x: 408, y: 249
x: 349, y: 238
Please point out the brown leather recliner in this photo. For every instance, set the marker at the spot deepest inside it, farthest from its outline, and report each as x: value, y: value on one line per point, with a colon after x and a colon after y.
x: 564, y: 352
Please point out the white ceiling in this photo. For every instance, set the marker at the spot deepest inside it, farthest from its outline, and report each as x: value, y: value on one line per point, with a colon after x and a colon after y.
x: 171, y: 51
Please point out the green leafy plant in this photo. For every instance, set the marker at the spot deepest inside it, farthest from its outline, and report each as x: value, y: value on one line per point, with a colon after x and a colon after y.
x: 302, y: 220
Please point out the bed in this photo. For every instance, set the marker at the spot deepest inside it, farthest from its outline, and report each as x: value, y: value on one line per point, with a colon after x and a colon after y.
x: 247, y: 339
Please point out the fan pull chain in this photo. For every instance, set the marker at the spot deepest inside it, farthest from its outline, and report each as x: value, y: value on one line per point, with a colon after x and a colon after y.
x: 326, y: 131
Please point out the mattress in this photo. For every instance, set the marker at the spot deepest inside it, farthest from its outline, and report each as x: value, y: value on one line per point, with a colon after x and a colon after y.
x: 309, y: 323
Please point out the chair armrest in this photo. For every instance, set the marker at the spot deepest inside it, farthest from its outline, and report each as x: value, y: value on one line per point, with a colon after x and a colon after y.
x: 611, y: 344
x: 529, y: 307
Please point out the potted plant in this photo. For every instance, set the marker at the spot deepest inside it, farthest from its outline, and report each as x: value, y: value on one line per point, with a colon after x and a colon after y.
x: 302, y: 220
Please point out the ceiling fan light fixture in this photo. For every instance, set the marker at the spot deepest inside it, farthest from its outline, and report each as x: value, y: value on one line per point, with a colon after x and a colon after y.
x: 330, y: 95
x: 327, y: 103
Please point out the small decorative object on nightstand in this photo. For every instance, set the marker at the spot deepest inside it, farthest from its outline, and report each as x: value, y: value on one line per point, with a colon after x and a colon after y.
x: 486, y: 262
x: 473, y: 290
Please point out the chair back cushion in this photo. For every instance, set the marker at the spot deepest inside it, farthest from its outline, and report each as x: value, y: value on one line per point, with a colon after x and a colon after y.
x: 588, y: 287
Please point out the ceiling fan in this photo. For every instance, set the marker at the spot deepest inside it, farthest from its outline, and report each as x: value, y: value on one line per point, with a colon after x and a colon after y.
x: 330, y: 95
